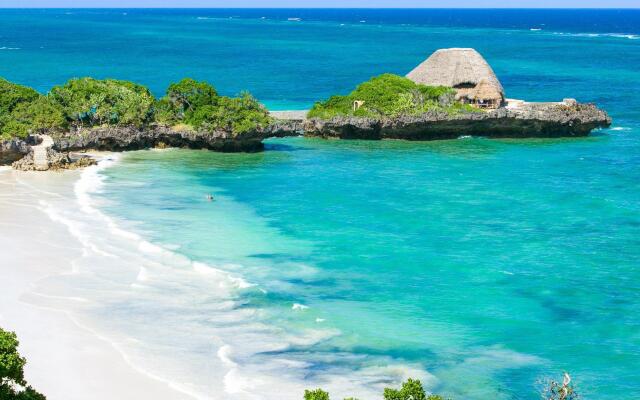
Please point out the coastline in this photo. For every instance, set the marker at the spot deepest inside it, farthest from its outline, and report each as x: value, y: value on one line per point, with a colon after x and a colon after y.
x: 58, y: 348
x: 66, y: 299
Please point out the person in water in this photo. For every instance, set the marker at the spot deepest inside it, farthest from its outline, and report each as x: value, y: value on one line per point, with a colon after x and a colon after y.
x: 209, y: 197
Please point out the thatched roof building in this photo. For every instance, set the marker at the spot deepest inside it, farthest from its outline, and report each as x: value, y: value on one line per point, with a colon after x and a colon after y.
x: 464, y: 70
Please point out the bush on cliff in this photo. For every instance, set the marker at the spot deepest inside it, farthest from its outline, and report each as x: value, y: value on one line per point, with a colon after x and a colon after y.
x: 90, y: 102
x: 198, y: 104
x: 12, y: 383
x: 389, y: 95
x: 24, y: 111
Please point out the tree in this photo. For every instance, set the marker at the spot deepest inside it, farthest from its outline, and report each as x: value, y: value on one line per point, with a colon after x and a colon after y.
x: 92, y: 102
x: 12, y: 383
x: 188, y: 95
x: 389, y: 95
x: 317, y: 394
x: 233, y: 114
x: 40, y: 115
x: 411, y: 390
x: 11, y: 95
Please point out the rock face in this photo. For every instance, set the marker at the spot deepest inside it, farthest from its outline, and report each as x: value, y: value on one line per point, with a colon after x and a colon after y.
x: 56, y: 161
x: 14, y: 149
x: 544, y: 120
x: 131, y: 138
x: 525, y: 120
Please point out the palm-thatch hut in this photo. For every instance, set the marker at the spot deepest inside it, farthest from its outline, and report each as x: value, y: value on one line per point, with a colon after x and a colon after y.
x: 464, y: 70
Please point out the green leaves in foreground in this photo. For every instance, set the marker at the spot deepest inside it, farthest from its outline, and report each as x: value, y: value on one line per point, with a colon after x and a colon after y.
x: 317, y: 394
x: 12, y: 383
x: 411, y: 390
x: 389, y: 95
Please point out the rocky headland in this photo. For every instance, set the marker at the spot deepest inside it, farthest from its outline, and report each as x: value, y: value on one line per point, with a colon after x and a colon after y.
x: 525, y: 120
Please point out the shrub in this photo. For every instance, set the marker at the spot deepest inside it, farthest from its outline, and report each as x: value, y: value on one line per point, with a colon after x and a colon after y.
x: 23, y: 111
x: 10, y: 128
x: 91, y: 102
x: 11, y: 95
x: 317, y: 394
x: 197, y: 104
x: 411, y: 390
x: 388, y: 95
x: 12, y: 383
x: 237, y: 115
x: 40, y: 116
x: 186, y: 96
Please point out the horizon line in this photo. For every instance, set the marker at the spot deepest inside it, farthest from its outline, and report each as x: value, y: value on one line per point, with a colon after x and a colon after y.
x: 319, y: 8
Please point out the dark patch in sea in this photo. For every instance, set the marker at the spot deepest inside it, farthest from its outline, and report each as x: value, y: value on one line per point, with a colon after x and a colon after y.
x: 284, y: 147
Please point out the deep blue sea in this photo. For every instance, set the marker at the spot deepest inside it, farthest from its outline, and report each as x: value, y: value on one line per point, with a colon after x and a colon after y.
x: 482, y: 267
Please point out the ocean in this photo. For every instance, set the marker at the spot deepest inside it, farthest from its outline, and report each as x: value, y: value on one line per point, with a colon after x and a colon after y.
x: 482, y: 267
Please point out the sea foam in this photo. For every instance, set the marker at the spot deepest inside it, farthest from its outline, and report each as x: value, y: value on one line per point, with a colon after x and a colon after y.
x: 186, y: 322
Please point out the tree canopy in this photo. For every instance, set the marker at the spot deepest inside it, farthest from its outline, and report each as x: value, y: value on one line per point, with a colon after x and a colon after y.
x: 388, y: 95
x: 23, y: 110
x: 12, y: 383
x: 92, y: 102
x: 88, y: 102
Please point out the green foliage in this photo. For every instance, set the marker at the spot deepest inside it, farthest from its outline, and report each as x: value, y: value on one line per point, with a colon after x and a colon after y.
x: 238, y: 115
x: 197, y: 104
x: 388, y: 95
x: 87, y: 102
x: 12, y: 383
x: 10, y: 128
x: 93, y: 102
x: 40, y: 116
x: 411, y: 390
x: 186, y: 96
x: 317, y: 394
x: 11, y: 95
x: 23, y: 111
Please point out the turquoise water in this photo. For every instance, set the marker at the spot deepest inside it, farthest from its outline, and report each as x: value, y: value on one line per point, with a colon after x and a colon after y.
x: 483, y: 267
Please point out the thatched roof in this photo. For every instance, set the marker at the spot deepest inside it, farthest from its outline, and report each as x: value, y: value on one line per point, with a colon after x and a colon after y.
x: 454, y: 67
x: 486, y: 91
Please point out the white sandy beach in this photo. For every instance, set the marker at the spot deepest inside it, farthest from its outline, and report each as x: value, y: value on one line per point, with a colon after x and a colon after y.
x: 64, y: 360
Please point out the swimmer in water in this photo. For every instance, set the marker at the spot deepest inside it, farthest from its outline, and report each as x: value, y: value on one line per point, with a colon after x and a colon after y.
x: 209, y: 197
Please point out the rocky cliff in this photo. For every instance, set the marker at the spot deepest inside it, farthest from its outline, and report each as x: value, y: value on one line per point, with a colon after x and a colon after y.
x: 525, y: 121
x: 131, y: 138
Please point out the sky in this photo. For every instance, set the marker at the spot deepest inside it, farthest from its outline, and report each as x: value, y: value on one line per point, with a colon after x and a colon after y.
x: 325, y: 3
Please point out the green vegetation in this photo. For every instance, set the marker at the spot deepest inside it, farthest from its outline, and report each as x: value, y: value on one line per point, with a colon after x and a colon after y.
x: 411, y: 390
x: 86, y: 102
x: 12, y: 383
x: 390, y: 95
x: 22, y: 110
x: 317, y: 394
x: 198, y: 104
x: 92, y: 102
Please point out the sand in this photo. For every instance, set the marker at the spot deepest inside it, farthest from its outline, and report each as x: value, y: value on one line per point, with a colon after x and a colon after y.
x: 64, y: 360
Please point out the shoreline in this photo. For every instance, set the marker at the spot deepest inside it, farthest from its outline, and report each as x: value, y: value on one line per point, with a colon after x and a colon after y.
x: 57, y: 346
x: 65, y: 300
